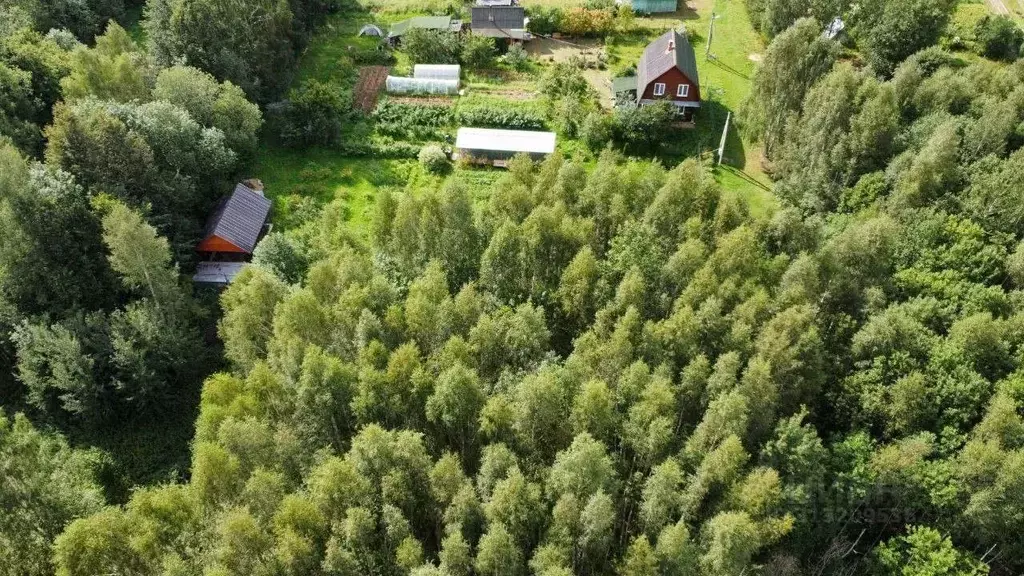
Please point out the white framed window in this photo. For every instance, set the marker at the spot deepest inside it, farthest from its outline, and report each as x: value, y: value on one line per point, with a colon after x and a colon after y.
x: 683, y: 90
x: 659, y: 88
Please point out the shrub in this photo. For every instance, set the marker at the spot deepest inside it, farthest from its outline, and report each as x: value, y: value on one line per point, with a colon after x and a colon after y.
x: 313, y: 114
x: 643, y: 128
x: 283, y: 256
x: 385, y: 150
x: 431, y: 46
x: 544, y: 21
x: 413, y: 115
x: 516, y: 58
x: 478, y: 51
x: 999, y: 38
x: 596, y: 131
x: 433, y: 159
x: 488, y: 117
x: 583, y: 22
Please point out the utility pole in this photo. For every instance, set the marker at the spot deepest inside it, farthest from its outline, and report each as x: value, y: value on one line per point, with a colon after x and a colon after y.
x: 711, y: 36
x: 725, y: 134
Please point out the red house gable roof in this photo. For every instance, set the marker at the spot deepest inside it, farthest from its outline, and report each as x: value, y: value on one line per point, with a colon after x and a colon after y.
x: 237, y: 222
x: 668, y: 51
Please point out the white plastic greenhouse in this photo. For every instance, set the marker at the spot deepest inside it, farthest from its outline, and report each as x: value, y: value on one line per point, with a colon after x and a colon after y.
x: 403, y: 85
x: 438, y: 71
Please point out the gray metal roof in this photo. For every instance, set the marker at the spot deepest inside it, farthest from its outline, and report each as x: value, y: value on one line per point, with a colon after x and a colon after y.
x: 495, y: 2
x: 658, y: 59
x: 504, y: 21
x: 240, y: 218
x: 220, y: 273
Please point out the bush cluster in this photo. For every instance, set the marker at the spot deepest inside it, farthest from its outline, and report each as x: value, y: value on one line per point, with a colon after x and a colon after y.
x: 412, y: 115
x: 434, y: 159
x: 490, y: 117
x: 384, y: 150
x: 593, y: 20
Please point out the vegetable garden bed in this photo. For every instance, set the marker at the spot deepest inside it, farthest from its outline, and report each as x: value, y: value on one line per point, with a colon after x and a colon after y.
x: 368, y: 87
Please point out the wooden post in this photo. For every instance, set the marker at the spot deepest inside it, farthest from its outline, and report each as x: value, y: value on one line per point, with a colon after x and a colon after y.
x: 711, y: 36
x: 725, y: 133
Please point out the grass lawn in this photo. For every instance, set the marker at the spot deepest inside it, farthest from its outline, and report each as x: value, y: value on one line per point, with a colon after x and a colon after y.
x: 300, y: 180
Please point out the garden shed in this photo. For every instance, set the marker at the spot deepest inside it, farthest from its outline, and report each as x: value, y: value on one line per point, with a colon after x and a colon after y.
x: 437, y: 71
x: 235, y: 227
x: 371, y: 30
x: 497, y: 147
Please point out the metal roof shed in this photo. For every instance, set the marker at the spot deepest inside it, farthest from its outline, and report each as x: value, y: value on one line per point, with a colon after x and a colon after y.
x: 437, y: 71
x: 217, y: 273
x: 498, y: 146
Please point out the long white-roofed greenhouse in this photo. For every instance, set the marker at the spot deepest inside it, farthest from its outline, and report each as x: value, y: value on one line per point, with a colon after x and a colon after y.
x: 498, y: 146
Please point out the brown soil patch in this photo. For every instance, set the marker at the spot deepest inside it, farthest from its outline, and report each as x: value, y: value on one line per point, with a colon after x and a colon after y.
x: 368, y: 87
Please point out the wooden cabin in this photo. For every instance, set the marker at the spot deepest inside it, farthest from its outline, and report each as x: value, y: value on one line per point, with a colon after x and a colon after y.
x: 232, y: 233
x: 667, y: 72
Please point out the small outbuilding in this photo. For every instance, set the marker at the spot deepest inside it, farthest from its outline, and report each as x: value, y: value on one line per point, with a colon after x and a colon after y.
x: 497, y: 147
x: 371, y: 30
x: 236, y: 226
x: 218, y: 273
x: 500, y: 21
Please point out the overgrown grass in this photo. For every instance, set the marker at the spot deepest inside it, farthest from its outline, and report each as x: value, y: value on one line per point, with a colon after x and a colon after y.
x: 299, y: 181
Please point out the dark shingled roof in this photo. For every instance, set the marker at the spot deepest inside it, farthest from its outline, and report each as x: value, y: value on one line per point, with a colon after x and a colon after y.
x: 240, y: 217
x: 498, y: 20
x: 658, y: 59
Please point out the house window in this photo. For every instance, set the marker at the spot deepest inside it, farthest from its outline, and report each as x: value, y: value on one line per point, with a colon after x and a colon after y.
x: 659, y: 89
x: 683, y: 90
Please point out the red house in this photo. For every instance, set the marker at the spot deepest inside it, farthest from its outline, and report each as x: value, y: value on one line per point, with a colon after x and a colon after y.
x: 668, y: 71
x: 233, y: 230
